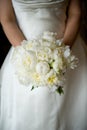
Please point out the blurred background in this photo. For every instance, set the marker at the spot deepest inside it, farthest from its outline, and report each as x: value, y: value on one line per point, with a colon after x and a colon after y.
x: 5, y: 45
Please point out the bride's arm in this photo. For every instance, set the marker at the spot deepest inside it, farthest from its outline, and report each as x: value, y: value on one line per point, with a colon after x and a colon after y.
x: 9, y: 24
x: 73, y: 22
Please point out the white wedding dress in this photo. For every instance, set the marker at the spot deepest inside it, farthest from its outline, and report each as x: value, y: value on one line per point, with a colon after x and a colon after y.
x: 42, y: 109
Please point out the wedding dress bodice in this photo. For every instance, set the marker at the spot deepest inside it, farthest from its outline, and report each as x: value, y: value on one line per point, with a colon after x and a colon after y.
x: 36, y: 16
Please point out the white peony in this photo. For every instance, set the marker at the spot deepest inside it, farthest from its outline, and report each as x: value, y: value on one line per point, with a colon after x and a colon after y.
x: 23, y: 76
x: 42, y: 68
x: 29, y: 60
x: 51, y: 78
x: 44, y: 54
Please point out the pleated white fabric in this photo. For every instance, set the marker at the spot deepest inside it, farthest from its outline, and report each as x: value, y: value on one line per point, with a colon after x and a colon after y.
x: 41, y: 109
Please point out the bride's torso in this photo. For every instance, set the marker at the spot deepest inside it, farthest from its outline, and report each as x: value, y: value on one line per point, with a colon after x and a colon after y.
x: 36, y: 16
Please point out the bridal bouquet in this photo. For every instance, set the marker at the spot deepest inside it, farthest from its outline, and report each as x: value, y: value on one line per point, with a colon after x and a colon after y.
x: 43, y: 62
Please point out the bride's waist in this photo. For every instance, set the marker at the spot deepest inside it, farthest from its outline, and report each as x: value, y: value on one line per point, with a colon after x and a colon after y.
x: 44, y: 14
x: 34, y: 26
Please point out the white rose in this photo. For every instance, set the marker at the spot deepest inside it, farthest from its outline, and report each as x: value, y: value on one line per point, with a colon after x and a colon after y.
x: 42, y: 68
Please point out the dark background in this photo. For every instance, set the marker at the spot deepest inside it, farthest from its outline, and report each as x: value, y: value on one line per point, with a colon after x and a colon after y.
x: 83, y: 29
x: 5, y: 45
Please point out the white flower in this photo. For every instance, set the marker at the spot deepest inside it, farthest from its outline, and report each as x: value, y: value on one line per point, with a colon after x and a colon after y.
x: 44, y: 54
x: 36, y: 78
x: 67, y: 52
x: 42, y: 68
x: 49, y: 36
x: 51, y: 78
x: 59, y: 42
x: 58, y: 65
x: 29, y: 60
x: 23, y: 77
x: 43, y: 62
x: 32, y: 45
x: 74, y: 62
x: 55, y: 54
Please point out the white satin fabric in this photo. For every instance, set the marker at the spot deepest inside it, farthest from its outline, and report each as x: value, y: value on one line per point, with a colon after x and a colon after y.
x: 41, y: 109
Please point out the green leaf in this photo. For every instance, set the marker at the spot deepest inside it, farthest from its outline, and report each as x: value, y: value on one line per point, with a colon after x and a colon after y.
x: 60, y: 90
x: 32, y: 88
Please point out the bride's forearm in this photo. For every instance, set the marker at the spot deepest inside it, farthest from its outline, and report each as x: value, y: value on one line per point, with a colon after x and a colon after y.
x: 13, y: 32
x: 73, y: 22
x: 9, y: 23
x: 71, y: 30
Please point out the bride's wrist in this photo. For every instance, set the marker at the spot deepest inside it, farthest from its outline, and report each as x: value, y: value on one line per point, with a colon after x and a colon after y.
x: 18, y: 44
x: 70, y: 44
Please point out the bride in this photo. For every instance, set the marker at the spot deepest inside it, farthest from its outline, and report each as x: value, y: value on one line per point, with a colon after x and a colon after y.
x: 41, y: 109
